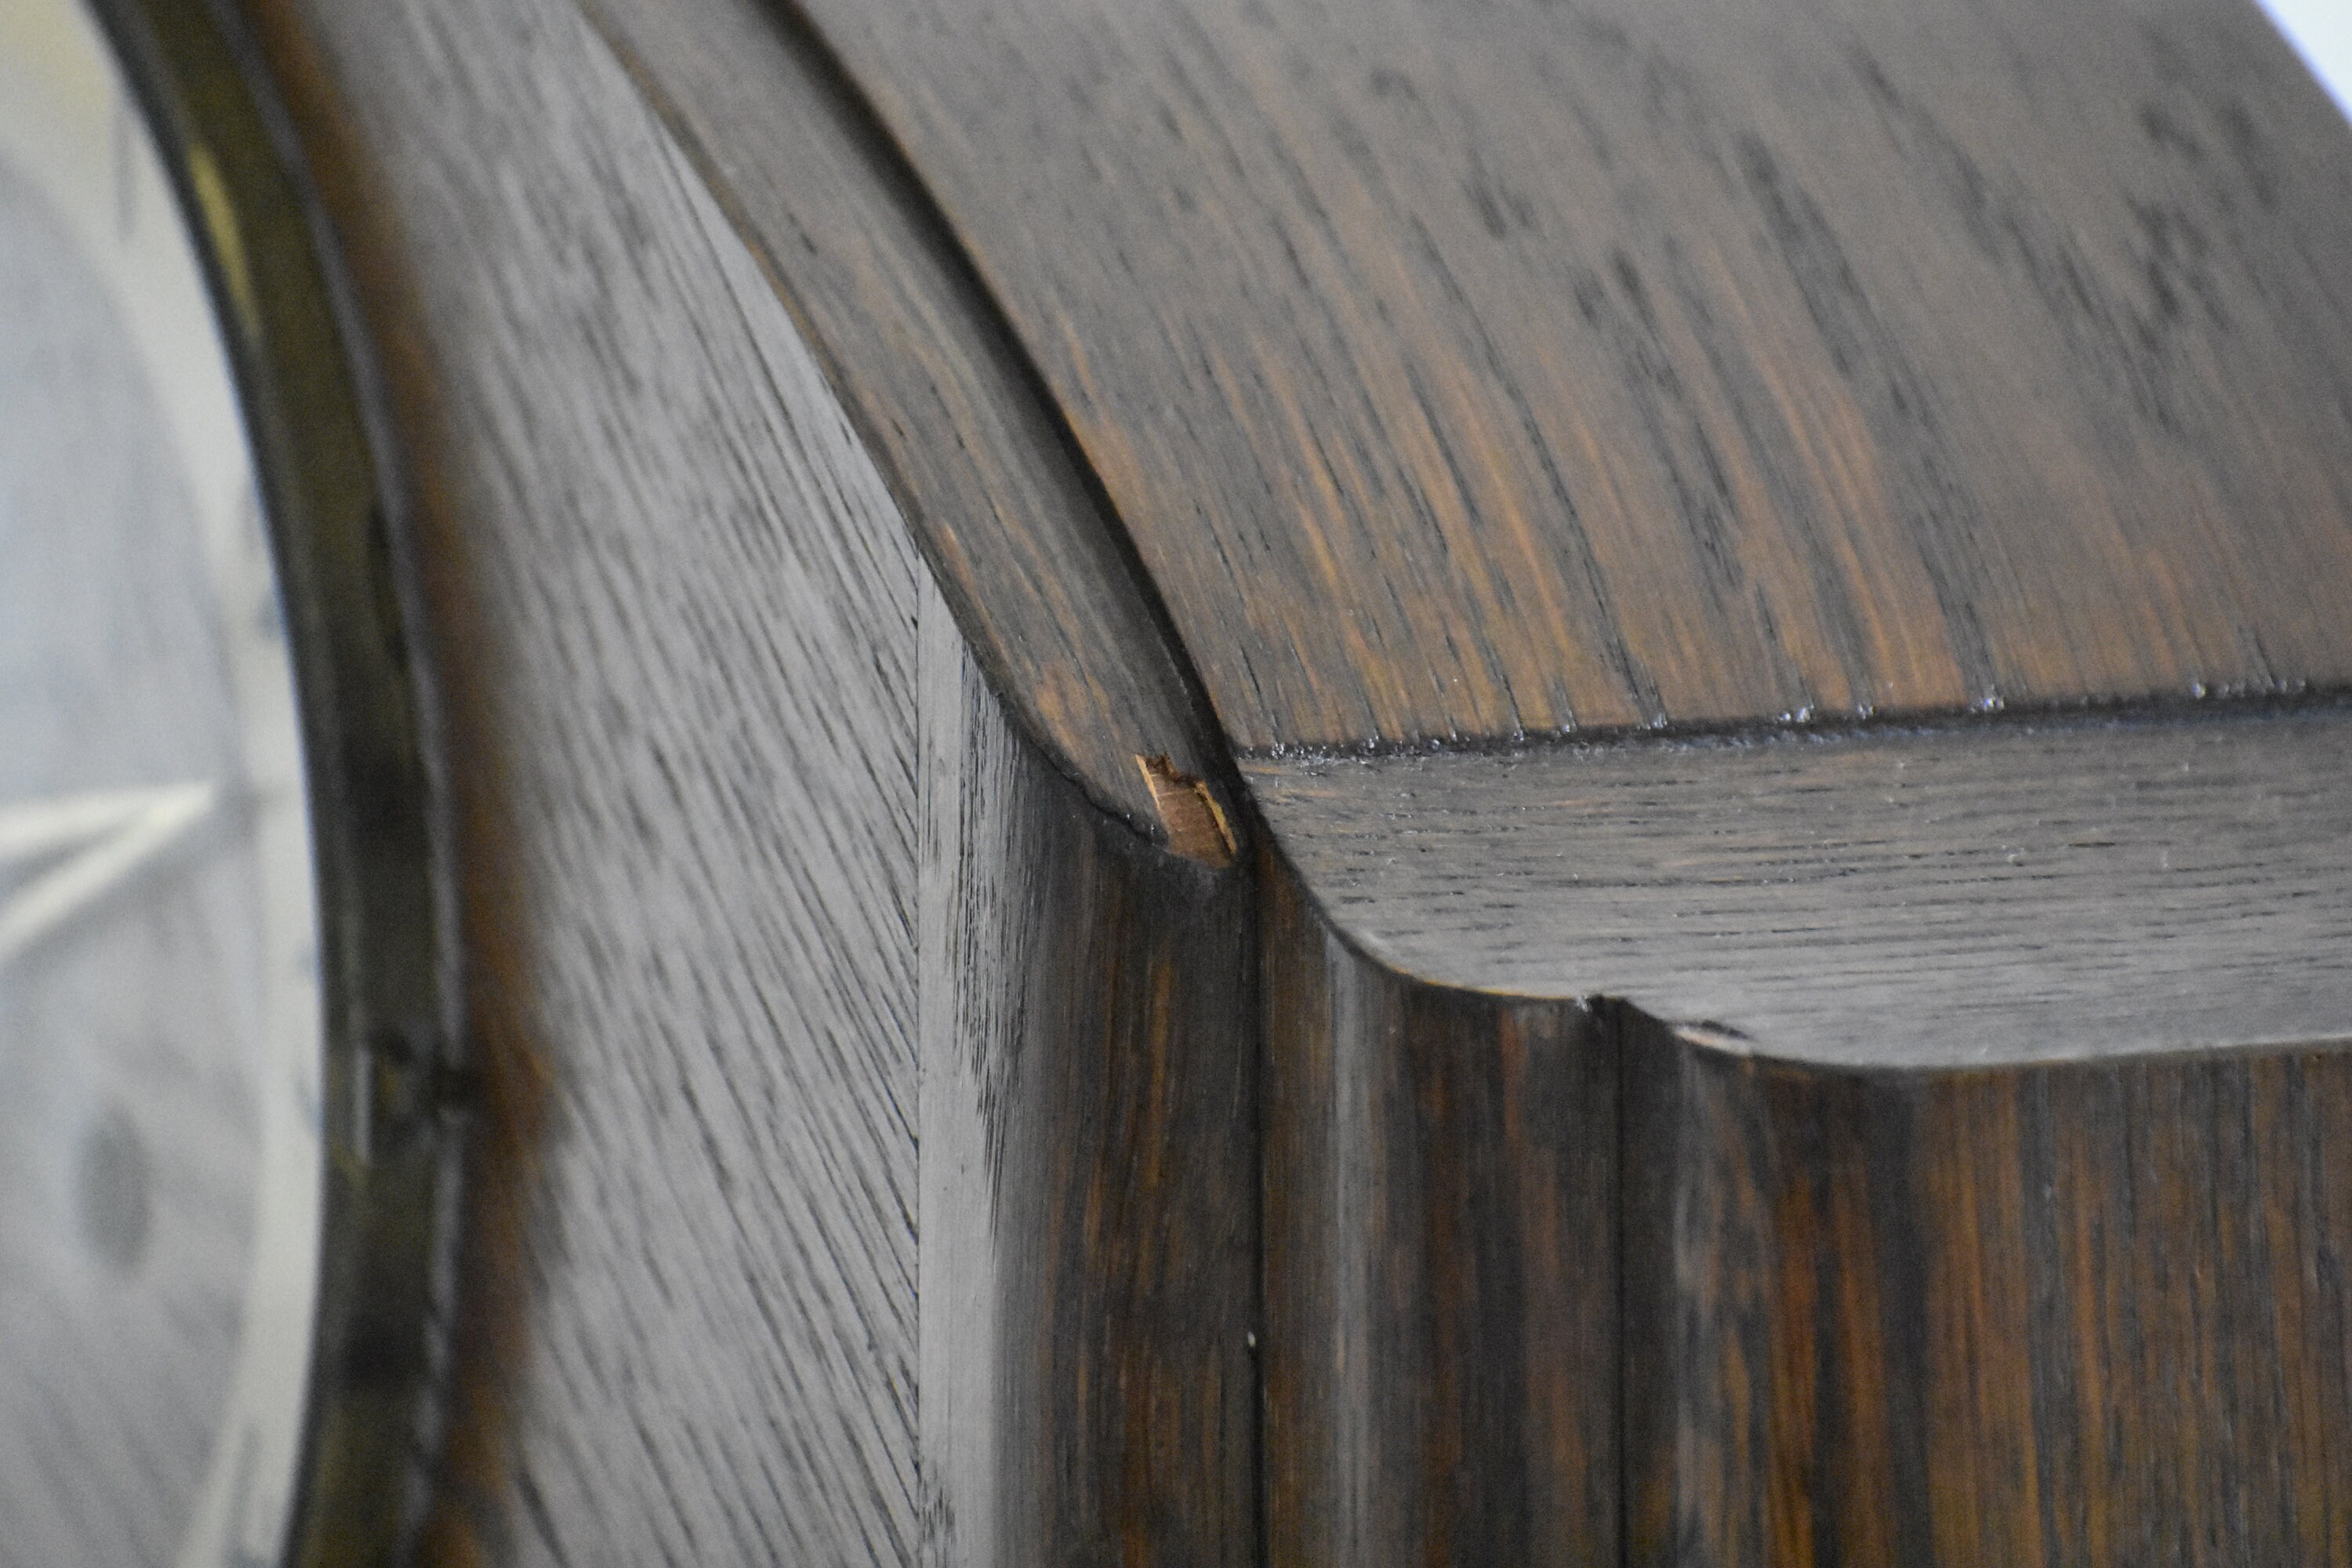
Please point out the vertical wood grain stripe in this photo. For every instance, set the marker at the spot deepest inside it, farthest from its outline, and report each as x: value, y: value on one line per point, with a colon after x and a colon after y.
x: 2087, y: 1313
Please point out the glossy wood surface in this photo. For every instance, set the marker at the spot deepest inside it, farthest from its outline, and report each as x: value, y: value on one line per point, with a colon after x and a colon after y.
x: 1550, y: 1283
x: 1468, y: 372
x: 865, y: 1169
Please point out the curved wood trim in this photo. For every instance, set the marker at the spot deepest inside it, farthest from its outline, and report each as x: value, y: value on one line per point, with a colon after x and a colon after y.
x: 1479, y: 373
x: 804, y: 977
x: 1012, y: 521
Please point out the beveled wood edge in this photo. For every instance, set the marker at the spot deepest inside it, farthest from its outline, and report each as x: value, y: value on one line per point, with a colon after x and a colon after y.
x: 2020, y: 889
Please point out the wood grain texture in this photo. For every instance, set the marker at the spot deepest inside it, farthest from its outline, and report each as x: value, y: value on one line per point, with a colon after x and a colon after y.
x: 1009, y: 518
x: 1997, y: 891
x: 677, y: 607
x: 748, y: 866
x: 1533, y: 371
x: 1473, y: 372
x: 1089, y: 1166
x: 1441, y: 1246
x: 1547, y: 1281
x: 2091, y: 1313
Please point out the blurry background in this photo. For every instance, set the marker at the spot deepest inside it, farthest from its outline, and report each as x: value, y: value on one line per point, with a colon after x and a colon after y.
x: 2321, y: 30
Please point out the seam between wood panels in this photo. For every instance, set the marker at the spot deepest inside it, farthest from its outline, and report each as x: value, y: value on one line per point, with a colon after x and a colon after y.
x: 1614, y: 1022
x: 2218, y: 707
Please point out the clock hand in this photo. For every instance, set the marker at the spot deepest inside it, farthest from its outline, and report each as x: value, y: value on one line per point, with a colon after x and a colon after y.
x: 121, y: 831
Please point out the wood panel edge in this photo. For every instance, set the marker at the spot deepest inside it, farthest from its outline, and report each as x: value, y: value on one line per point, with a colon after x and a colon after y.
x: 1019, y: 536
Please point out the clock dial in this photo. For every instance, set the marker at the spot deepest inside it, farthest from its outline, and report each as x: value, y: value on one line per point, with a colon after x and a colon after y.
x: 159, y: 1007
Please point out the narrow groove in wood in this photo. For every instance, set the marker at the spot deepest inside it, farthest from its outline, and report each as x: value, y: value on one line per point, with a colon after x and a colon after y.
x: 2221, y: 707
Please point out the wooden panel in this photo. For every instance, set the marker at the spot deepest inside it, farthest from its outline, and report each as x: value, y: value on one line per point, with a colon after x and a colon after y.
x: 677, y: 609
x: 2085, y: 1312
x: 2094, y: 1314
x: 1817, y: 362
x: 1473, y: 370
x: 1037, y: 570
x: 1089, y: 1167
x: 1441, y: 1189
x: 1990, y: 892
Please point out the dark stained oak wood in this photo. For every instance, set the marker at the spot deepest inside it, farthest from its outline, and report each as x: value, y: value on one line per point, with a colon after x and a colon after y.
x: 1089, y: 1167
x: 1997, y: 890
x: 1441, y: 1283
x: 1009, y: 519
x: 1479, y: 370
x: 677, y: 611
x: 866, y: 1165
x: 2093, y: 1313
x: 1551, y: 1282
x: 2084, y: 1305
x: 866, y: 1159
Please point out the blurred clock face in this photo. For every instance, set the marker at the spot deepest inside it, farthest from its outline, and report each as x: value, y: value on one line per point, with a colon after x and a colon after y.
x: 160, y: 1015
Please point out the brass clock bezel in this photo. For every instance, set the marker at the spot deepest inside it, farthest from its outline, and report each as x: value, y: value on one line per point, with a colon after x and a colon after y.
x: 393, y: 1073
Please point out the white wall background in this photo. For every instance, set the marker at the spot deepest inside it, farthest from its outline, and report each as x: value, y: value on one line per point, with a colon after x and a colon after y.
x: 2321, y: 30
